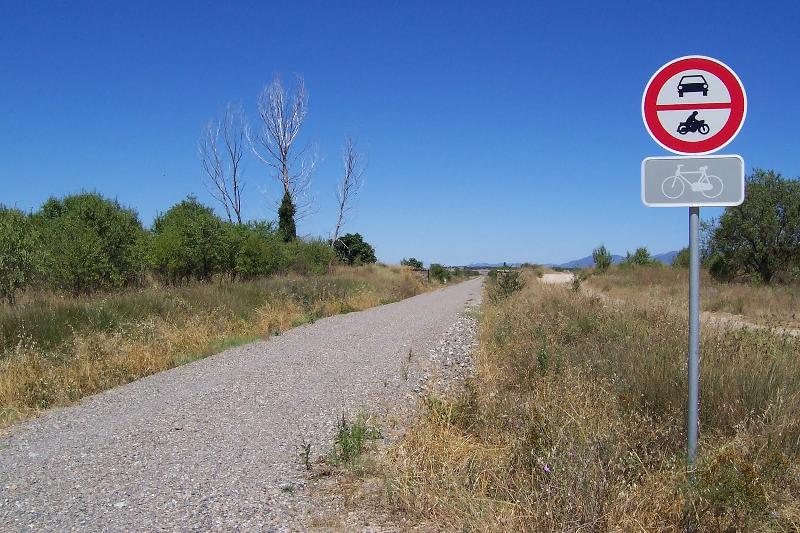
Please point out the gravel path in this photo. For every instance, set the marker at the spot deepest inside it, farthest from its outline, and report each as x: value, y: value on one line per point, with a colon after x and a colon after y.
x: 557, y: 278
x: 213, y: 445
x: 342, y: 503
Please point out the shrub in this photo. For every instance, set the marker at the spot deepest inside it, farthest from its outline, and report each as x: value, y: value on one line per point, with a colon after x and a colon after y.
x: 411, y: 262
x: 19, y: 258
x: 762, y: 235
x: 681, y: 259
x: 260, y: 256
x: 352, y: 438
x: 439, y: 273
x: 506, y: 283
x: 641, y: 257
x: 232, y: 239
x: 720, y: 268
x: 312, y: 257
x: 602, y: 258
x: 91, y: 243
x: 353, y: 249
x: 189, y: 240
x: 578, y: 277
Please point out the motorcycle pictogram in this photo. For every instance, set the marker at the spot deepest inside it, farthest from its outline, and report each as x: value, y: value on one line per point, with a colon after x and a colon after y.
x: 692, y: 124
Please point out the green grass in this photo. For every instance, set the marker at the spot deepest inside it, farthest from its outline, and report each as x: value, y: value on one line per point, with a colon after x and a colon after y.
x: 352, y: 438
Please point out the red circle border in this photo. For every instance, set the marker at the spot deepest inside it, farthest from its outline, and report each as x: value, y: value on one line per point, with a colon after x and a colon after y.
x: 716, y: 141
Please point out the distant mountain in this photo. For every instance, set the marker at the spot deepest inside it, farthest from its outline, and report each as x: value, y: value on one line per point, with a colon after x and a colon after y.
x: 585, y: 262
x: 666, y: 257
x: 490, y: 265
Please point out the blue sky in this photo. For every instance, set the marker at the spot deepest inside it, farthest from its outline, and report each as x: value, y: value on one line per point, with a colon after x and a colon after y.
x: 494, y: 130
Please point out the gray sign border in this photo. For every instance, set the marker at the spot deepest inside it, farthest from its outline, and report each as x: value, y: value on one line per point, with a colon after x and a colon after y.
x: 709, y: 203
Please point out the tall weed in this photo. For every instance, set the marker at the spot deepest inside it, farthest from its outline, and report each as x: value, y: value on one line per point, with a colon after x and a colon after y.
x: 575, y: 422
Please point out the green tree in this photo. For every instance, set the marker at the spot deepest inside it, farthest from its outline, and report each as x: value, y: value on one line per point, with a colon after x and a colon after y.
x: 641, y: 257
x: 286, y: 223
x: 720, y: 267
x: 760, y: 237
x: 258, y: 256
x: 312, y: 257
x: 681, y: 259
x: 602, y: 258
x: 504, y: 284
x: 264, y: 228
x: 189, y: 240
x: 90, y: 243
x: 353, y: 249
x: 19, y: 257
x: 411, y: 262
x: 233, y: 236
x: 261, y: 251
x: 438, y: 272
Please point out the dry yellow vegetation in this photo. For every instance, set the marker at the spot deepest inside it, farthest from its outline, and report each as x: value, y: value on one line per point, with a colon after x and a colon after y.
x: 575, y: 421
x: 57, y: 350
x: 767, y: 305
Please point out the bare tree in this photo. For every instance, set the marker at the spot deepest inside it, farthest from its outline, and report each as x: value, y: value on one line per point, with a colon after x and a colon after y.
x: 282, y: 115
x: 350, y: 184
x: 221, y: 149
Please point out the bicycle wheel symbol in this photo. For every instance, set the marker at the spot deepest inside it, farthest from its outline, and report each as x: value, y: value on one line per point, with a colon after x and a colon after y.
x: 716, y: 187
x: 673, y: 187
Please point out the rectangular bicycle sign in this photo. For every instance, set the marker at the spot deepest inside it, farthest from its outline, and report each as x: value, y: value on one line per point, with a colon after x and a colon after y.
x: 712, y: 180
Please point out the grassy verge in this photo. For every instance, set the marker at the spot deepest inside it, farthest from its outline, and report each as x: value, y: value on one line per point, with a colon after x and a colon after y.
x: 575, y: 422
x: 766, y: 305
x: 54, y: 351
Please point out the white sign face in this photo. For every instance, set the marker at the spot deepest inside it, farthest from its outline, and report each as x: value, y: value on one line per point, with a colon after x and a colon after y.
x: 694, y: 105
x: 693, y: 181
x: 688, y: 116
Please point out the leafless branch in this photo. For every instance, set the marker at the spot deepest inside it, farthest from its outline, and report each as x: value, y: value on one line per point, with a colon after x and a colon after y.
x: 350, y: 184
x: 221, y: 149
x: 281, y: 118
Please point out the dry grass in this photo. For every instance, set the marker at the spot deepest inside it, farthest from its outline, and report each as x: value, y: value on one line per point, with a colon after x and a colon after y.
x: 56, y: 351
x: 575, y: 422
x: 771, y: 305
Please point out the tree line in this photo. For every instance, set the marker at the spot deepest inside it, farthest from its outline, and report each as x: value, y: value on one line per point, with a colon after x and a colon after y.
x: 84, y: 243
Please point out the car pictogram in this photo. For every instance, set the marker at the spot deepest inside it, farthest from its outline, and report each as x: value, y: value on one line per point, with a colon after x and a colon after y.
x: 695, y: 83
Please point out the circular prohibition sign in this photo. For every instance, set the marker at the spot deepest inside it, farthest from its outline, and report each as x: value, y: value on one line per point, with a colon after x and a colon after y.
x: 704, y: 87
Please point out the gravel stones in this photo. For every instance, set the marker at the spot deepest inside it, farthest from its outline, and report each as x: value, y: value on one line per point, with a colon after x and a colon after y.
x: 213, y: 445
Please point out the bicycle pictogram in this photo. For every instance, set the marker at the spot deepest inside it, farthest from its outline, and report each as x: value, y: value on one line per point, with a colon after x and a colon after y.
x: 708, y: 185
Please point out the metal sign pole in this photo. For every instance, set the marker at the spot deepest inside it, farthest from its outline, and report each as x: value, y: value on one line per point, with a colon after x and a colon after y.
x: 694, y: 336
x: 698, y: 85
